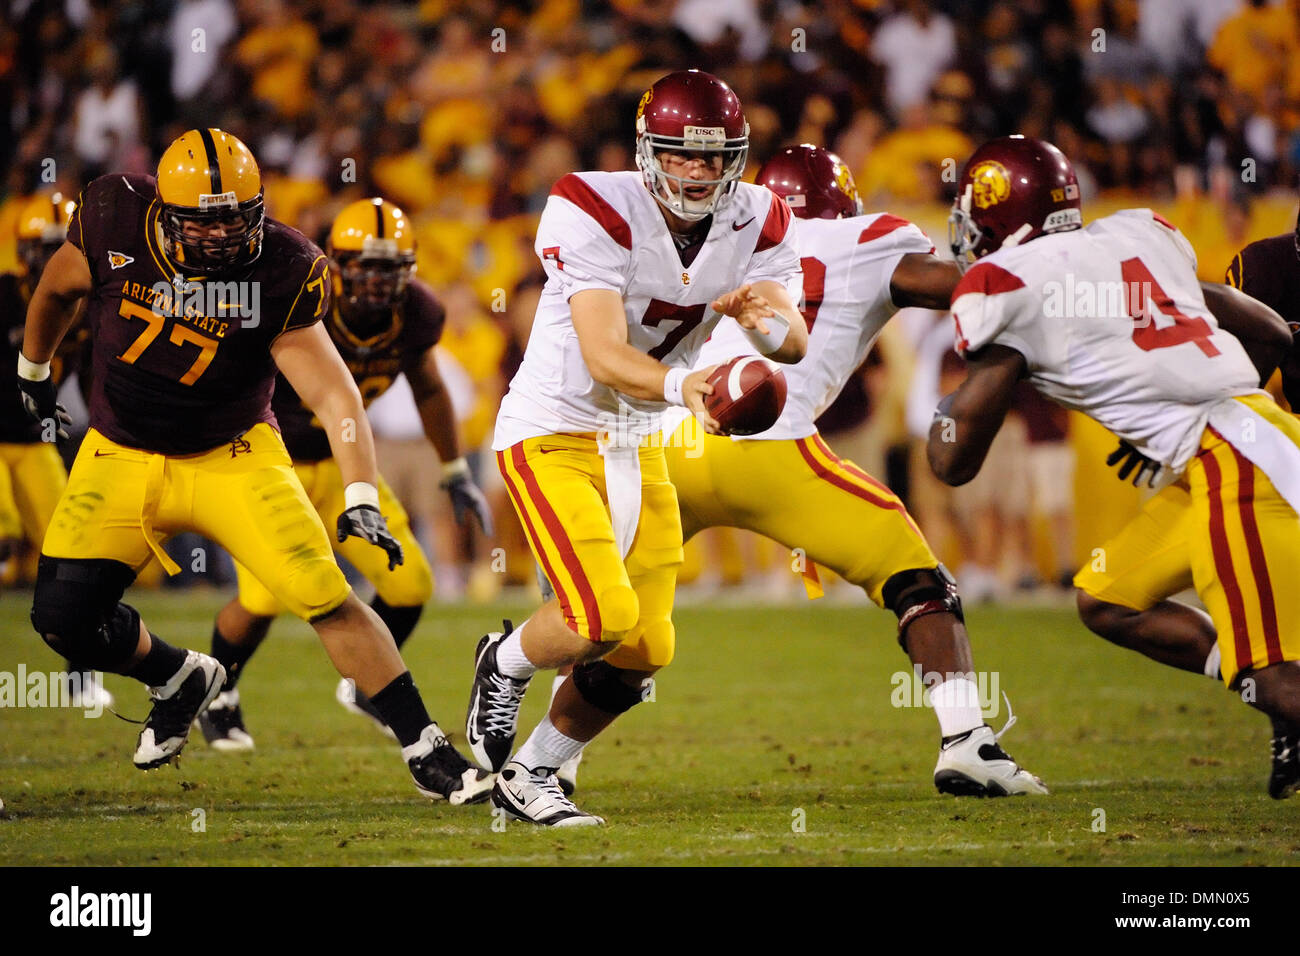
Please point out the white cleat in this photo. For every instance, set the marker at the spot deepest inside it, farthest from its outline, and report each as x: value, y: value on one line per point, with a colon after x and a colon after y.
x: 534, y: 796
x: 89, y: 694
x: 973, y: 764
x: 567, y: 775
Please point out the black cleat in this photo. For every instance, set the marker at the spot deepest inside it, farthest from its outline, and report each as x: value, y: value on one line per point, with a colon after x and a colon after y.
x: 223, y: 724
x: 176, y: 705
x: 441, y: 773
x: 1284, y: 780
x: 493, y: 717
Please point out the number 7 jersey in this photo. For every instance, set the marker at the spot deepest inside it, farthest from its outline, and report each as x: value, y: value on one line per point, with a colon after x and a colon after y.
x: 1112, y: 323
x: 180, y: 368
x: 605, y: 231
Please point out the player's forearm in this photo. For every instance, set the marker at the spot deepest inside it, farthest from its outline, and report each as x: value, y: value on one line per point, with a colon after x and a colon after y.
x: 1262, y: 332
x: 353, y: 446
x: 626, y: 370
x: 49, y: 316
x: 439, y: 422
x: 795, y: 345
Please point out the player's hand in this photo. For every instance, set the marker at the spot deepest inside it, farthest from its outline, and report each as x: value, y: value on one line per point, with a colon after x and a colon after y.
x: 40, y: 399
x: 746, y: 306
x: 466, y: 499
x: 1127, y: 458
x: 365, y: 522
x: 694, y: 389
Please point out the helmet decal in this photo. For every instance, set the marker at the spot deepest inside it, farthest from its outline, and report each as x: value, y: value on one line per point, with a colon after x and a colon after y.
x: 991, y: 182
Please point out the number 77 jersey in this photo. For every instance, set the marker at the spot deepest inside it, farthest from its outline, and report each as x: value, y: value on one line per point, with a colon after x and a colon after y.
x: 180, y: 366
x: 1112, y: 323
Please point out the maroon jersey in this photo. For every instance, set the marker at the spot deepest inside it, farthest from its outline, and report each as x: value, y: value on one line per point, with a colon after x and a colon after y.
x: 1269, y: 270
x: 374, y: 360
x: 182, y: 364
x: 16, y: 426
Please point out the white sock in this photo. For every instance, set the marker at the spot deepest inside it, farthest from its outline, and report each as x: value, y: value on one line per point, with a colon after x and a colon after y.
x: 560, y: 679
x: 511, y: 659
x: 957, y: 705
x: 1214, y: 663
x: 547, y: 747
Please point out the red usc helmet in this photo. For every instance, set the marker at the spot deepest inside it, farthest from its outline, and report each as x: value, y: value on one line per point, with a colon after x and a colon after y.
x: 1013, y: 189
x: 813, y: 181
x: 691, y: 113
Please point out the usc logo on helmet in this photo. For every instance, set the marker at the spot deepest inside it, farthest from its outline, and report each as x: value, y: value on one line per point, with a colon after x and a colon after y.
x: 991, y: 184
x: 646, y: 97
x: 844, y: 180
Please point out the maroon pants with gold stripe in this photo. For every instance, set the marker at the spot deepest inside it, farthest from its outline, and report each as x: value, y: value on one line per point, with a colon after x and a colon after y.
x: 800, y: 494
x: 557, y: 484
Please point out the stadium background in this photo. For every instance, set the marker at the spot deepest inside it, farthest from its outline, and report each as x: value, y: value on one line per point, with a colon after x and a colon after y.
x: 466, y: 113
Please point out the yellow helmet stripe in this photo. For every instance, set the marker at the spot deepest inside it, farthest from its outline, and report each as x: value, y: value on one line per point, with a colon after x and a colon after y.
x: 214, y: 164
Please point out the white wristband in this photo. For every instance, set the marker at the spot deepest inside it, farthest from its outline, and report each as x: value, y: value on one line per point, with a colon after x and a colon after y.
x: 769, y: 343
x: 673, y: 382
x: 360, y: 493
x: 32, y: 371
x: 455, y: 468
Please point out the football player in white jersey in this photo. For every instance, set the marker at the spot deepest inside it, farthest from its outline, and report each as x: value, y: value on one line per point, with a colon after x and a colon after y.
x: 1110, y: 320
x: 640, y: 267
x: 858, y: 271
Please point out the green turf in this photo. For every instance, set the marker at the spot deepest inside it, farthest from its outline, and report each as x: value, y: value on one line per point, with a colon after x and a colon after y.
x: 769, y: 716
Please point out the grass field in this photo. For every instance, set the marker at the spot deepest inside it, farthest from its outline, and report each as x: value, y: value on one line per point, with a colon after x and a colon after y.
x: 769, y: 717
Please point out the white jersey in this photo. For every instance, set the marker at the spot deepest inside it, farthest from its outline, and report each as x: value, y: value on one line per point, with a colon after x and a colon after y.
x: 848, y: 265
x: 1112, y: 323
x: 605, y: 231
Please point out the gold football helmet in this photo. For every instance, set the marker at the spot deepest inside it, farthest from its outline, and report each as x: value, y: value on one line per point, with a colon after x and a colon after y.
x: 371, y: 248
x: 212, y: 208
x: 42, y: 227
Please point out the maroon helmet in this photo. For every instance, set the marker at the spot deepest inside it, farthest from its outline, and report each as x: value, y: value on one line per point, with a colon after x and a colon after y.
x: 813, y: 181
x: 691, y: 112
x: 1014, y: 189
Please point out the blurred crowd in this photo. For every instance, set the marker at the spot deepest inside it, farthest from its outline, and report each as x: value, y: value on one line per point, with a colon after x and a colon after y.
x: 465, y: 113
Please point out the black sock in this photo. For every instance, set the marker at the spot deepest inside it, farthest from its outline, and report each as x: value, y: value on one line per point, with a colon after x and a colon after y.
x: 402, y: 709
x: 233, y: 657
x: 160, y: 664
x: 400, y: 620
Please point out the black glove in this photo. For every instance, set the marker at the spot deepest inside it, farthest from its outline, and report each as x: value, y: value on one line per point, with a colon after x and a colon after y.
x: 41, y: 401
x: 366, y: 522
x: 1131, y: 458
x: 465, y: 498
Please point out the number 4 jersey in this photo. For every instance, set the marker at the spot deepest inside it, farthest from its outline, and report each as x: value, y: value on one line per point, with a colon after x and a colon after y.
x: 605, y: 231
x: 1111, y: 322
x: 181, y: 366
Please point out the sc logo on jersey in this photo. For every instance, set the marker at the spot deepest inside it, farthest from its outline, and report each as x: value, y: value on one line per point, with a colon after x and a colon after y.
x: 991, y: 183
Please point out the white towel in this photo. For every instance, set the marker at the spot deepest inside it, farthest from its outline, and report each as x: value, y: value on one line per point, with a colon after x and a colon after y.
x: 622, y: 485
x: 1263, y: 444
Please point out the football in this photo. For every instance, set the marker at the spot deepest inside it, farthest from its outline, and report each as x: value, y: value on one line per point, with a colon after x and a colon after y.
x: 748, y: 395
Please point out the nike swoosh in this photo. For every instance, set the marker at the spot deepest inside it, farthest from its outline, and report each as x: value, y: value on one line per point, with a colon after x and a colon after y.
x: 100, y: 453
x: 473, y: 737
x: 545, y: 450
x: 739, y: 226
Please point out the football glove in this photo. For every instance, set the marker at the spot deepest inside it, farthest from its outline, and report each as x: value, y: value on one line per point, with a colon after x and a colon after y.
x: 40, y: 399
x: 466, y: 498
x: 1127, y: 458
x: 365, y: 522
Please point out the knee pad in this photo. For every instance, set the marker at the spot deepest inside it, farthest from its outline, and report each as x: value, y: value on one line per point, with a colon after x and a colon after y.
x: 649, y: 651
x: 602, y: 685
x: 619, y: 610
x: 920, y: 591
x: 77, y: 610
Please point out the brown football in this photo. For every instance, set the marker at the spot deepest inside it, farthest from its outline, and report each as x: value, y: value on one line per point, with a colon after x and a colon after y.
x: 748, y: 395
